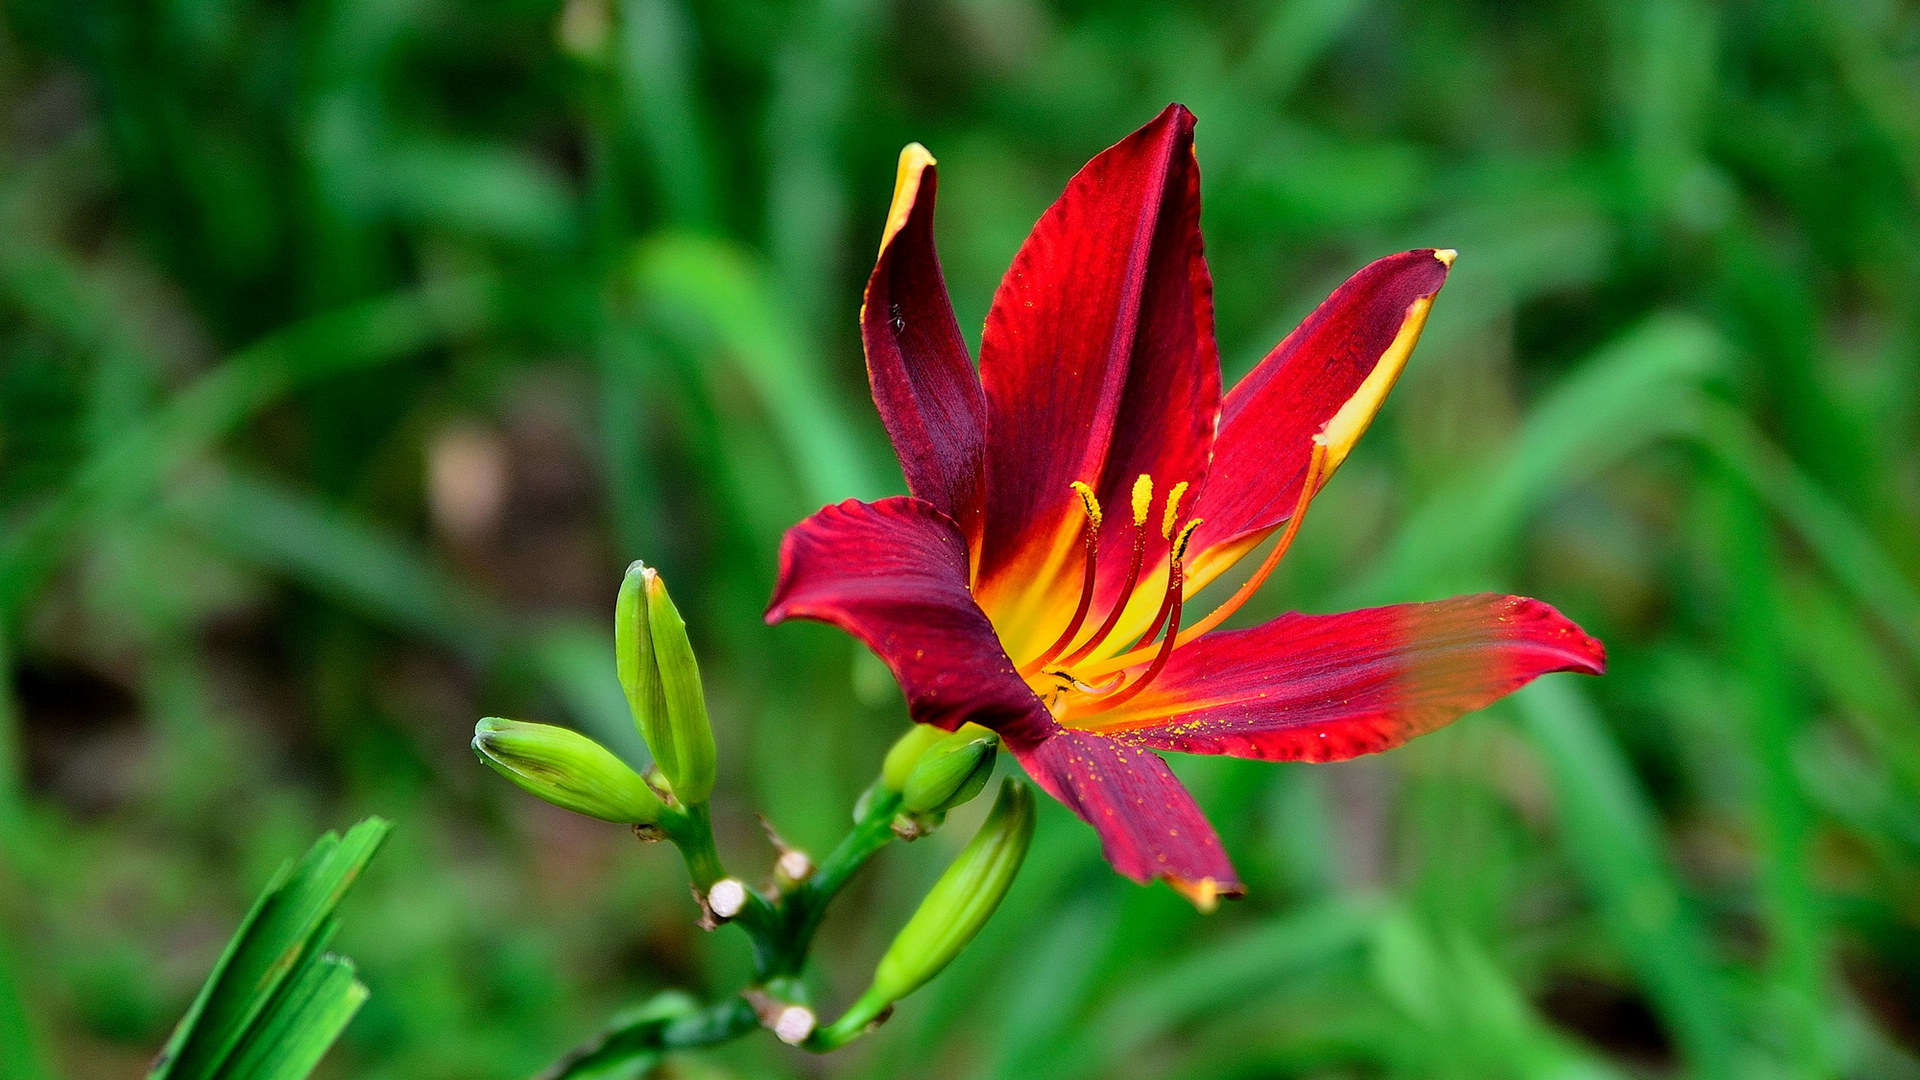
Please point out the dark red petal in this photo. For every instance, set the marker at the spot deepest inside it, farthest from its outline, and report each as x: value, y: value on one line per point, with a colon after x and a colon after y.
x: 1099, y: 364
x: 1148, y: 824
x: 894, y: 574
x: 1330, y: 687
x: 923, y: 379
x: 1269, y: 418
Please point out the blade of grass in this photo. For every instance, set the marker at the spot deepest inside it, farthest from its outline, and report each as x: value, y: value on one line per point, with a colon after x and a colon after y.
x: 1851, y: 667
x: 1835, y: 538
x: 302, y: 1023
x: 351, y: 339
x: 1773, y: 708
x: 720, y: 294
x: 21, y: 1057
x: 632, y: 481
x: 1881, y: 85
x: 1474, y: 1020
x: 1287, y: 45
x: 1613, y: 839
x: 283, y: 933
x: 265, y: 524
x: 1060, y: 979
x: 1226, y: 970
x: 662, y: 106
x: 12, y: 764
x: 808, y: 115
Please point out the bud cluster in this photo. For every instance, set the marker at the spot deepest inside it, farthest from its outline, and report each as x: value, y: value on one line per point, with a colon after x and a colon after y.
x: 926, y: 774
x: 661, y: 678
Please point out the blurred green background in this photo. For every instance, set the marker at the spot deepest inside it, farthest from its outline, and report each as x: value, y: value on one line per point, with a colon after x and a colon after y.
x: 350, y: 350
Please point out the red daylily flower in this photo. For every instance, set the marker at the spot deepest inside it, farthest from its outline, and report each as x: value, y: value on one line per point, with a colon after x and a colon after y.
x: 1073, y: 496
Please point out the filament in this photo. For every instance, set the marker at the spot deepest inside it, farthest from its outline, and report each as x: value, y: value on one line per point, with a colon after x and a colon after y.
x: 1309, y: 486
x: 1091, y: 534
x: 1126, y: 589
x: 1176, y: 579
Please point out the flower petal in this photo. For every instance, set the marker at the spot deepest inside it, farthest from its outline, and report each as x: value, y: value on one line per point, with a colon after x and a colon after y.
x: 922, y: 377
x: 1332, y: 372
x: 894, y: 574
x: 1148, y: 824
x: 1099, y: 364
x: 1331, y: 687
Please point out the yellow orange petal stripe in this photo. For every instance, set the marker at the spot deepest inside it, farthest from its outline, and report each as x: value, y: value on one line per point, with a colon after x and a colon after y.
x: 1351, y: 421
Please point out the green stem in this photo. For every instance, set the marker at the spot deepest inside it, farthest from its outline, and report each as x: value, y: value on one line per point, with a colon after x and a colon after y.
x: 871, y: 833
x: 855, y: 1022
x: 807, y: 904
x: 691, y: 829
x: 649, y: 1036
x: 782, y: 932
x: 692, y: 832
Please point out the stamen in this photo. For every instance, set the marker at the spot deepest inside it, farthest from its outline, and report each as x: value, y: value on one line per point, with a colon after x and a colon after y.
x: 1159, y: 620
x: 1309, y: 486
x: 1172, y: 511
x: 1091, y: 534
x: 1088, y: 500
x: 1176, y: 580
x: 1142, y: 498
x: 1186, y: 537
x: 1175, y: 553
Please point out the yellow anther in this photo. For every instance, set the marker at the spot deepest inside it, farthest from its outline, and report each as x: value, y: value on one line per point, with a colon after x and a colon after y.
x: 1186, y: 535
x: 1173, y: 509
x: 1142, y: 498
x: 1088, y: 500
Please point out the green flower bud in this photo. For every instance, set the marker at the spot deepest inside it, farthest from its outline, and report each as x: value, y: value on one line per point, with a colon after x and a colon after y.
x: 662, y: 680
x: 952, y: 772
x: 953, y: 912
x: 905, y: 754
x: 566, y: 769
x: 633, y: 659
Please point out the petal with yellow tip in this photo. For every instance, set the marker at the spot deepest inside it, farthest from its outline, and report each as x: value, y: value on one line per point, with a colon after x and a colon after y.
x: 917, y: 363
x: 1149, y: 826
x: 1327, y: 379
